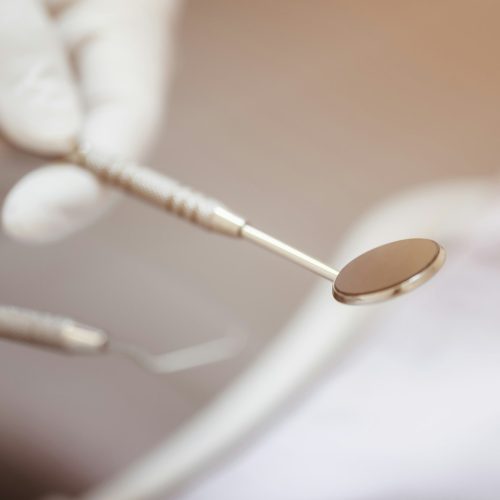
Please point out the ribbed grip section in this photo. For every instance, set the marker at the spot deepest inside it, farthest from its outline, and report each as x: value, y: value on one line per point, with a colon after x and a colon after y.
x: 45, y: 330
x: 162, y: 191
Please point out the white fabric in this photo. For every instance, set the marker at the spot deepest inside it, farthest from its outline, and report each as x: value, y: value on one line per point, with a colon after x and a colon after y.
x: 412, y: 412
x: 119, y: 49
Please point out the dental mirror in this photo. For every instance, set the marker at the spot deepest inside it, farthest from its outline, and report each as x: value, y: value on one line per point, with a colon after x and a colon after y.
x: 377, y: 275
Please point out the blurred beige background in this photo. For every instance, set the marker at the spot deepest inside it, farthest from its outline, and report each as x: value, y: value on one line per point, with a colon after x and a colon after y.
x: 300, y: 115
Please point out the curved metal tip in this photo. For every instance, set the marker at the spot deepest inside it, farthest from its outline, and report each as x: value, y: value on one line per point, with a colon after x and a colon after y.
x: 388, y: 270
x: 205, y: 353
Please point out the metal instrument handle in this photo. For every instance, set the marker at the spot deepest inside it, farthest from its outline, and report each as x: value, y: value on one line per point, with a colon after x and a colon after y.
x: 53, y: 332
x: 162, y: 191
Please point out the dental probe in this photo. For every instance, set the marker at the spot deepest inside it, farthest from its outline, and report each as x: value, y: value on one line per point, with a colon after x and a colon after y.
x: 70, y: 337
x: 376, y: 275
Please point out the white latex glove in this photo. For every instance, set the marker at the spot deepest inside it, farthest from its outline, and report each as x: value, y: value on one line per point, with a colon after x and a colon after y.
x: 120, y: 53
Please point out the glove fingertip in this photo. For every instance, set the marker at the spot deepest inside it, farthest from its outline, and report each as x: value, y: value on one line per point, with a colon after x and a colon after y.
x: 53, y: 202
x: 42, y: 132
x: 19, y: 224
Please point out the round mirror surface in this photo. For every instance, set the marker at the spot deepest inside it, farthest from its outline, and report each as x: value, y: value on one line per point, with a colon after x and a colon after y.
x: 388, y: 270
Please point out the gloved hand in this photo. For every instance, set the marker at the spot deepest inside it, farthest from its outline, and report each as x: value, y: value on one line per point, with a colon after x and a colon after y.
x: 120, y: 53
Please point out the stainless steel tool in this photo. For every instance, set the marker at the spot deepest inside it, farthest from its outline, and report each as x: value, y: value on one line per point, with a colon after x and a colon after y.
x: 377, y: 275
x: 68, y: 336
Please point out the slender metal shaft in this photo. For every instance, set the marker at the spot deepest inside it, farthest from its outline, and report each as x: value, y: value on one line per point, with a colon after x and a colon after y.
x: 276, y: 246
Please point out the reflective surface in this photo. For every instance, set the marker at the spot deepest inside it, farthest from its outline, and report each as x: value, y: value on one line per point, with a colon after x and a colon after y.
x: 388, y: 270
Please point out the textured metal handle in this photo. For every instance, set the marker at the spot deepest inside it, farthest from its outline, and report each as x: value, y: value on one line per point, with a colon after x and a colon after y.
x: 46, y: 330
x: 162, y: 191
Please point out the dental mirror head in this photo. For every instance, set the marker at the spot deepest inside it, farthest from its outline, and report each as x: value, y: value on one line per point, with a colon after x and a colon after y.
x: 388, y: 270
